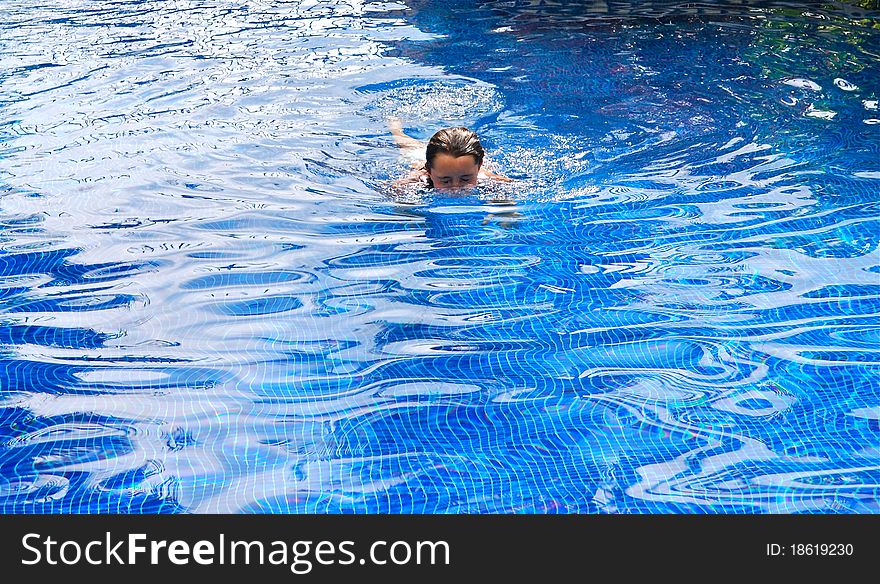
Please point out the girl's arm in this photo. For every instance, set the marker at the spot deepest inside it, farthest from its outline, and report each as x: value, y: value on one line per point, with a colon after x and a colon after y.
x: 402, y: 140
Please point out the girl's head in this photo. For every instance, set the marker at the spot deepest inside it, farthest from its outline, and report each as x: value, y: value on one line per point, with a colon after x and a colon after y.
x: 453, y: 158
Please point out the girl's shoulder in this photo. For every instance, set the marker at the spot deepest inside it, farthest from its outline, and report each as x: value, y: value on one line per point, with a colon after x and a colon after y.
x: 486, y: 173
x: 420, y: 174
x: 416, y: 176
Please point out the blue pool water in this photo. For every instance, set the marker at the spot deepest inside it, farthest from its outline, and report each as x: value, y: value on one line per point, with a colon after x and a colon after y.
x: 209, y: 301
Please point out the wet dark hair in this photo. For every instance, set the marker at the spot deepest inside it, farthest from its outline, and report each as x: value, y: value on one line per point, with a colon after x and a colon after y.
x: 455, y: 142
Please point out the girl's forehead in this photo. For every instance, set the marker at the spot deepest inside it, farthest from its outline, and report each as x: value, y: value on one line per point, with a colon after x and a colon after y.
x: 448, y: 162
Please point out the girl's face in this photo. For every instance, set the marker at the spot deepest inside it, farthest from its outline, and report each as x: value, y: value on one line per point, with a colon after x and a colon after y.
x: 451, y: 172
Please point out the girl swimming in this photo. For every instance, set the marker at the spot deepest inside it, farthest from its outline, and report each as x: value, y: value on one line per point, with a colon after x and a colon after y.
x: 452, y: 158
